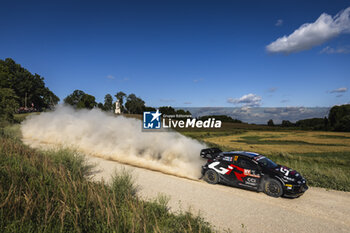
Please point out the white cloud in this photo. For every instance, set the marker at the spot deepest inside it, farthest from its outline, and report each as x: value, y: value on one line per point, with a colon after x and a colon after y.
x: 279, y: 22
x: 187, y: 102
x: 339, y: 90
x: 309, y: 35
x: 330, y: 50
x: 110, y: 76
x: 249, y: 100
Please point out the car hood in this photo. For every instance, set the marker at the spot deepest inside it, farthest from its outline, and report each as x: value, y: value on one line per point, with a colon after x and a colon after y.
x: 288, y: 174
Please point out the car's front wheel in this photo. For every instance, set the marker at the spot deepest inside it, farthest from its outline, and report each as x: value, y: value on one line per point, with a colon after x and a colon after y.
x: 273, y: 188
x: 211, y: 176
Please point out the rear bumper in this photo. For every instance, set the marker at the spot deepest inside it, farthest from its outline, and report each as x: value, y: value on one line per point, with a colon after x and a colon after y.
x: 204, y: 168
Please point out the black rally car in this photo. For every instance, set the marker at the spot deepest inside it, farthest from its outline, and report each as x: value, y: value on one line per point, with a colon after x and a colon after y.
x: 252, y: 171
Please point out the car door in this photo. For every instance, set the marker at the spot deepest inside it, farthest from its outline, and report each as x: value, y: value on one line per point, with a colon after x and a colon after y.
x: 222, y: 167
x: 233, y: 170
x: 226, y: 163
x: 249, y: 173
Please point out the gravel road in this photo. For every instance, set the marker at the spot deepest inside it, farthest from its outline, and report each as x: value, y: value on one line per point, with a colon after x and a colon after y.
x: 318, y: 210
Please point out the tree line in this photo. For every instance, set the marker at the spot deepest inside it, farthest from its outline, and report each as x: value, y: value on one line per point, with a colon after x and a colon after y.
x: 338, y: 120
x: 133, y: 104
x: 130, y: 104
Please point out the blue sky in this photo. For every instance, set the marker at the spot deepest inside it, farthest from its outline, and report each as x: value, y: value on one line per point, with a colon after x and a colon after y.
x: 184, y: 53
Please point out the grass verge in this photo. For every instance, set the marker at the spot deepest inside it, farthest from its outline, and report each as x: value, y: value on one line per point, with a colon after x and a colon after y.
x: 51, y: 192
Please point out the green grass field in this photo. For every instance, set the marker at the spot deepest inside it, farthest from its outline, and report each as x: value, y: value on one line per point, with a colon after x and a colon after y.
x: 322, y: 157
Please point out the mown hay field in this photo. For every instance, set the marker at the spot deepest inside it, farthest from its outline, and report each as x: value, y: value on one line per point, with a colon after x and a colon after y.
x: 272, y: 142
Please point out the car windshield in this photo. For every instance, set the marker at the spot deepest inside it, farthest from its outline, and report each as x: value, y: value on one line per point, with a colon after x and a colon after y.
x: 267, y: 162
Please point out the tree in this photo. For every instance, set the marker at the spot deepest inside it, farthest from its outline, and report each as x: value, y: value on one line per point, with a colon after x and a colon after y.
x: 149, y: 109
x: 336, y: 115
x: 27, y: 87
x: 313, y: 123
x: 270, y: 123
x: 183, y: 112
x: 286, y: 123
x: 88, y: 101
x: 74, y: 98
x: 343, y: 124
x: 100, y: 106
x: 108, y: 105
x: 167, y: 110
x: 120, y: 98
x: 49, y: 98
x: 134, y: 105
x: 8, y: 104
x: 80, y: 99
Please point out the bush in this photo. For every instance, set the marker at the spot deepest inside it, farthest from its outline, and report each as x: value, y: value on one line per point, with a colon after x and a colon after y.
x: 8, y: 104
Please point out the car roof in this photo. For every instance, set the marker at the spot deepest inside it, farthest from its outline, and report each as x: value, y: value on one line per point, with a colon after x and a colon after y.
x: 243, y: 153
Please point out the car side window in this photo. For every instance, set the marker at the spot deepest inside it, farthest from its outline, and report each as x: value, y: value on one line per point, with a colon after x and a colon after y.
x: 245, y: 163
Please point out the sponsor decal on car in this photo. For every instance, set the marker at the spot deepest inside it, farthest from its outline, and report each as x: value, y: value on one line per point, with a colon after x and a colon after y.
x: 251, y: 181
x: 221, y: 170
x: 248, y: 172
x: 239, y: 172
x: 227, y: 158
x: 288, y: 178
x: 285, y: 170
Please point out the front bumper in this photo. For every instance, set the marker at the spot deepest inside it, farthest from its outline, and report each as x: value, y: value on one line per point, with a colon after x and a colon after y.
x: 295, y: 190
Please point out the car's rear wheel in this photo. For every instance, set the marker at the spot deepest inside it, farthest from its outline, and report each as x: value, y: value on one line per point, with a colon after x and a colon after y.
x: 211, y: 176
x: 273, y: 188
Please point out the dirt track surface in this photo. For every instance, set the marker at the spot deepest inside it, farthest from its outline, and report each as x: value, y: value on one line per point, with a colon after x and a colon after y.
x: 318, y: 210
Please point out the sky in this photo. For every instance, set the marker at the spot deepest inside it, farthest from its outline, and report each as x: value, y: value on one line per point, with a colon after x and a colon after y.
x: 186, y: 53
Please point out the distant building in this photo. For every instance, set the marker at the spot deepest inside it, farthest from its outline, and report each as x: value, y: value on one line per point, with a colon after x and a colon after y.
x: 117, y: 108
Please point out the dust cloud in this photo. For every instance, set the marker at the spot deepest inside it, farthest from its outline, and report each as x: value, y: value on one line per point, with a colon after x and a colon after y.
x: 117, y: 138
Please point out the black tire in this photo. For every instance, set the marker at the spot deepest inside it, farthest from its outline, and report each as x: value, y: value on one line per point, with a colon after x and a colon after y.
x: 211, y: 176
x: 273, y: 188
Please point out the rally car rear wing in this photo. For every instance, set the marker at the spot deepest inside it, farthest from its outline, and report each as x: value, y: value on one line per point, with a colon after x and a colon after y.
x: 210, y: 153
